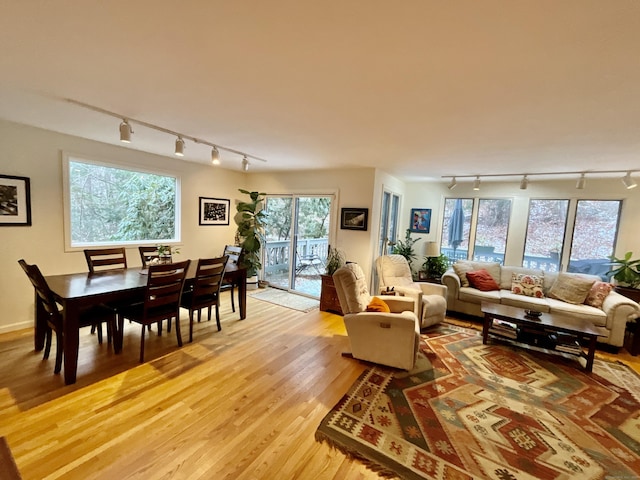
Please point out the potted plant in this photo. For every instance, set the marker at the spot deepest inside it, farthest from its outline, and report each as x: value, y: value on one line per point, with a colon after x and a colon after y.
x: 406, y: 248
x: 165, y: 253
x: 250, y: 219
x: 626, y: 273
x: 328, y: 296
x: 434, y: 267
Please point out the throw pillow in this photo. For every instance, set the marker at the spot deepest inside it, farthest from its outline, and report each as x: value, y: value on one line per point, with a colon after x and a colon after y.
x: 571, y: 288
x: 378, y: 305
x: 597, y: 294
x: 461, y: 269
x: 482, y: 280
x: 527, y: 285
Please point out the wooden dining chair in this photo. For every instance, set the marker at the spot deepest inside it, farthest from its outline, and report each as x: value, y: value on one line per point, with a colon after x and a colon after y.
x: 148, y: 254
x: 205, y: 290
x: 105, y: 259
x: 92, y: 316
x: 165, y: 283
x: 233, y: 253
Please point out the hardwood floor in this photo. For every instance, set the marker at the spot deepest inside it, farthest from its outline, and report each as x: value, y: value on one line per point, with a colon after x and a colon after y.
x: 243, y: 403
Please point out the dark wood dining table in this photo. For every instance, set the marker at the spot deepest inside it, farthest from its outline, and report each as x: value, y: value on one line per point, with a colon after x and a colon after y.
x: 78, y: 291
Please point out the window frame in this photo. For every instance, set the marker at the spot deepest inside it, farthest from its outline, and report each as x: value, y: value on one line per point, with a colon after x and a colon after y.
x: 68, y: 157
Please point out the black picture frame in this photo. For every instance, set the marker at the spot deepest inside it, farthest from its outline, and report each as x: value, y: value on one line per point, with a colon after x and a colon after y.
x: 354, y: 219
x: 15, y: 201
x: 214, y: 211
x: 420, y: 221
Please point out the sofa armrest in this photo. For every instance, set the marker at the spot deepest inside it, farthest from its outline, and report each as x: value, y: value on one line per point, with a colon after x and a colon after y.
x: 452, y: 282
x: 619, y: 310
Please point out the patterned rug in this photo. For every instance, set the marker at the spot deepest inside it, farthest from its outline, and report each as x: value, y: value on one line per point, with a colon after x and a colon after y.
x: 490, y: 411
x: 286, y: 299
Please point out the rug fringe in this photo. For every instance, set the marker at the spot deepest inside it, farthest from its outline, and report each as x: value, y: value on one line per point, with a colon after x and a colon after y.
x: 354, y: 455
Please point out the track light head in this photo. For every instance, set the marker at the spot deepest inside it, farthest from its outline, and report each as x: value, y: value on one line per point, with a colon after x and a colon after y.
x: 452, y: 184
x: 629, y: 182
x: 245, y: 164
x: 180, y: 147
x: 476, y: 184
x: 215, y: 156
x: 125, y: 131
x: 524, y: 183
x: 581, y: 182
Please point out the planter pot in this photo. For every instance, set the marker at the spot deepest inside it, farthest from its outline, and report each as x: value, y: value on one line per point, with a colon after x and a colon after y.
x: 252, y: 282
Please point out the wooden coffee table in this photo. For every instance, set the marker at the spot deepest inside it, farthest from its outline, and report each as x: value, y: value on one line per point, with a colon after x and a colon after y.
x: 547, y: 323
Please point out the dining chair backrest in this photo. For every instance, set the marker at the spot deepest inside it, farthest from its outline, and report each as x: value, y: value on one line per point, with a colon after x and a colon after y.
x: 147, y: 254
x: 105, y: 259
x: 233, y: 253
x: 165, y: 283
x: 209, y: 277
x: 42, y: 290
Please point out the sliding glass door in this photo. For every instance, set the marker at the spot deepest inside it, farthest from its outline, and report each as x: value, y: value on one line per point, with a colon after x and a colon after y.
x: 297, y: 239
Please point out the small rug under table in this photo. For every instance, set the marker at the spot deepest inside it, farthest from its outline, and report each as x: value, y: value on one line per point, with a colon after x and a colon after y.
x: 490, y: 411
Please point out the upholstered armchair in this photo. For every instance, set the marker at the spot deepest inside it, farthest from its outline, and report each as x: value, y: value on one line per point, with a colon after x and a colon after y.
x: 430, y: 298
x: 388, y: 338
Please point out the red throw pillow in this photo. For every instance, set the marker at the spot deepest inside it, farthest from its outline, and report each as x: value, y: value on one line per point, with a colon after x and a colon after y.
x: 482, y: 280
x: 378, y: 305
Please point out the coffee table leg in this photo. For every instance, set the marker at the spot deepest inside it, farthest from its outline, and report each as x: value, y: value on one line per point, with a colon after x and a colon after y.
x: 485, y: 328
x: 591, y: 353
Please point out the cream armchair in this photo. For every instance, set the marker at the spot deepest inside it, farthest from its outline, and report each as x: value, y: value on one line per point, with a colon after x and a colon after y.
x: 386, y: 338
x: 430, y: 298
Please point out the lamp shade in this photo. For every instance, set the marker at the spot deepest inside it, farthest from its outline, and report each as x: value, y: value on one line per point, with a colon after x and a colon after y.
x: 431, y: 249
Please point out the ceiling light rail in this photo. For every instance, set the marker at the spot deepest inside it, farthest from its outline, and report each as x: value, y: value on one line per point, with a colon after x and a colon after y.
x: 126, y: 131
x: 628, y: 182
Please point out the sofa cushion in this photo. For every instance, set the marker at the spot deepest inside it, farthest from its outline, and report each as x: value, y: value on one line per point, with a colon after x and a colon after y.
x: 586, y: 312
x: 473, y: 295
x: 527, y: 285
x: 522, y: 301
x: 378, y: 305
x: 571, y: 288
x: 482, y: 280
x: 506, y: 273
x: 597, y: 294
x: 461, y: 267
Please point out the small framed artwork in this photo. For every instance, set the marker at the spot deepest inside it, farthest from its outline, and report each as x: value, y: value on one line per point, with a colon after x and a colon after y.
x: 354, y: 218
x: 420, y: 220
x: 214, y: 211
x: 15, y: 201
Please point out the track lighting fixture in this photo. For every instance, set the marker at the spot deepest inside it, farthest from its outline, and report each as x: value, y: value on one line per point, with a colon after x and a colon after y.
x: 452, y: 184
x: 215, y: 156
x: 524, y: 183
x: 629, y: 182
x: 476, y: 183
x: 125, y: 131
x: 245, y: 164
x: 180, y: 147
x: 581, y: 182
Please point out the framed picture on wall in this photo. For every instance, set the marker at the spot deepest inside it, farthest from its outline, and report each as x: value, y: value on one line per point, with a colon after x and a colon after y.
x: 354, y: 218
x: 420, y: 220
x: 214, y: 211
x: 15, y: 201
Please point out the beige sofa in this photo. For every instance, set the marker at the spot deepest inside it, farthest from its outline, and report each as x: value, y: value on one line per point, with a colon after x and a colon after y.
x: 614, y: 314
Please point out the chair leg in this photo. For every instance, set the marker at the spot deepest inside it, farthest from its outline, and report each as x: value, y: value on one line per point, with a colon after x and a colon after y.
x: 93, y: 329
x: 47, y: 344
x: 199, y: 315
x: 190, y: 326
x: 218, y: 314
x: 98, y: 327
x: 169, y: 325
x: 160, y: 328
x: 233, y: 302
x: 209, y: 313
x: 142, y: 345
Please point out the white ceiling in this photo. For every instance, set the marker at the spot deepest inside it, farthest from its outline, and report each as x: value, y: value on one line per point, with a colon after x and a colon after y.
x: 419, y: 88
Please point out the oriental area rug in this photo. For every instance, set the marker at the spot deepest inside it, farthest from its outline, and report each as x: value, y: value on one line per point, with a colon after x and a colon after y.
x: 493, y: 411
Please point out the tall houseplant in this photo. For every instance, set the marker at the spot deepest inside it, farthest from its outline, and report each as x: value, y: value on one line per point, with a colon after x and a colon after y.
x: 250, y: 219
x: 335, y: 260
x: 406, y: 248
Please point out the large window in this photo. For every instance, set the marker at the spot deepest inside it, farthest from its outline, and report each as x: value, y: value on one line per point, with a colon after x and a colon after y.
x: 388, y: 222
x: 491, y: 229
x: 456, y: 228
x: 545, y: 234
x: 594, y: 236
x: 111, y: 205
